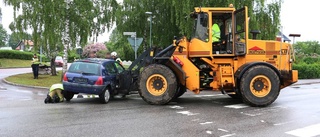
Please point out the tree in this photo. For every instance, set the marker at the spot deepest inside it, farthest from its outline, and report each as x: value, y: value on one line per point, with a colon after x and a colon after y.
x: 120, y: 45
x: 170, y: 18
x: 58, y: 23
x: 3, y: 36
x: 98, y: 48
x: 308, y: 47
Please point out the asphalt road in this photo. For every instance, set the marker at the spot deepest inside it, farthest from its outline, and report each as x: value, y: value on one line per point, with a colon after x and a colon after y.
x: 296, y: 112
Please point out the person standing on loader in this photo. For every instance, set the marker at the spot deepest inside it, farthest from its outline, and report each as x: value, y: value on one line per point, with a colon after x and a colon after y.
x: 55, y: 94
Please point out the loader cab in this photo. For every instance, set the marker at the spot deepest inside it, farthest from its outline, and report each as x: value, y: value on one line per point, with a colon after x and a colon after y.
x: 233, y: 25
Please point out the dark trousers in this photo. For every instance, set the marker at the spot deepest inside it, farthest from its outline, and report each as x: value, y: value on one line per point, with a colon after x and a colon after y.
x: 35, y: 70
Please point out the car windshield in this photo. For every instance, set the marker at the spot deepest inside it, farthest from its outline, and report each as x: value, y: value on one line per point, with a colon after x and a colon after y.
x: 58, y: 58
x: 86, y: 68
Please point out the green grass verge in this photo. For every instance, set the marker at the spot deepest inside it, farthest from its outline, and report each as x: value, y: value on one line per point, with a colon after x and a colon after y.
x: 16, y: 63
x: 42, y: 81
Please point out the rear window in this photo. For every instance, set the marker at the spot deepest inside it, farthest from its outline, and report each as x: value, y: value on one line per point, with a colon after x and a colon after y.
x: 85, y: 68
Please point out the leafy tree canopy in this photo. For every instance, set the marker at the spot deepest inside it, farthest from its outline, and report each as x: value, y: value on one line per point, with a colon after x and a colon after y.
x: 171, y: 18
x: 3, y: 36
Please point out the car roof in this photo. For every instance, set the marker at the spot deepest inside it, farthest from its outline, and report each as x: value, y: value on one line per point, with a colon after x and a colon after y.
x: 95, y: 60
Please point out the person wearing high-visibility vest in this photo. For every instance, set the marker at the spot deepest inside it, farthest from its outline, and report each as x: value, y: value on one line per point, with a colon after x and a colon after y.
x: 35, y: 66
x: 55, y: 94
x: 215, y: 29
x: 115, y: 57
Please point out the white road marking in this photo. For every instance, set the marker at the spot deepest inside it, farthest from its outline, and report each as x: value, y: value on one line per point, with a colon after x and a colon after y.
x: 237, y: 106
x: 208, y: 95
x: 262, y: 121
x: 188, y: 113
x: 309, y: 131
x: 228, y: 135
x: 223, y: 130
x: 205, y: 123
x: 283, y: 123
x: 209, y: 132
x: 176, y: 107
x: 252, y: 115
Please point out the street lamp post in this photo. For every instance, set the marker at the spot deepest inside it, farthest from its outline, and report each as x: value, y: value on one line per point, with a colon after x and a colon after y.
x: 150, y: 13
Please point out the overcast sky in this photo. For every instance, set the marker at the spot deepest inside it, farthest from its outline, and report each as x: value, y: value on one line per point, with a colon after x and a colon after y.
x: 297, y: 16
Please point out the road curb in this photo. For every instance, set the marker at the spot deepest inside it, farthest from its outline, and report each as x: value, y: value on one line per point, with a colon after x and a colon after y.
x: 20, y: 85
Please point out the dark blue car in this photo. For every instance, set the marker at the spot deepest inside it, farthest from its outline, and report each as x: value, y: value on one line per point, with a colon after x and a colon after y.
x: 93, y: 76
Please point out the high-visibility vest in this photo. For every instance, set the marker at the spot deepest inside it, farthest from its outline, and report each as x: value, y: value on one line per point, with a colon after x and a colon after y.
x: 35, y: 61
x: 215, y: 33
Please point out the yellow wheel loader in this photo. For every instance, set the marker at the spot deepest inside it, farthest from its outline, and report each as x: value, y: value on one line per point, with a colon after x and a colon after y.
x: 250, y: 69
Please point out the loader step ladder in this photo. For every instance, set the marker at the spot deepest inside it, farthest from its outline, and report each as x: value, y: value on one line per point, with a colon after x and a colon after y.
x: 226, y: 76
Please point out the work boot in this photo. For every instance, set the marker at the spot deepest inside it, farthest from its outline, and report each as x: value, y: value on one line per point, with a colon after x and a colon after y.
x: 48, y: 100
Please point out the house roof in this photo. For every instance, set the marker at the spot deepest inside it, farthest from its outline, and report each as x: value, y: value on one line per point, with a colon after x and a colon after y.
x: 284, y: 37
x: 28, y: 42
x: 25, y: 42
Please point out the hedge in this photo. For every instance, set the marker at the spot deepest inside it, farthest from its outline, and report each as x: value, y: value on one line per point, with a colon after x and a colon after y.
x: 15, y: 54
x: 307, y: 71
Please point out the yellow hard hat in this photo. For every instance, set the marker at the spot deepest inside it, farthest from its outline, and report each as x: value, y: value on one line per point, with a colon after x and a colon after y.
x: 56, y: 86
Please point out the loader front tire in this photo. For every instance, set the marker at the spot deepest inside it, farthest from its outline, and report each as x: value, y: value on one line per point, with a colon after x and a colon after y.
x: 259, y: 86
x: 157, y: 84
x: 180, y: 91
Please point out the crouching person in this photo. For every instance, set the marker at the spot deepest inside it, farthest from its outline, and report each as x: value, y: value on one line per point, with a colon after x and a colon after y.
x: 55, y: 94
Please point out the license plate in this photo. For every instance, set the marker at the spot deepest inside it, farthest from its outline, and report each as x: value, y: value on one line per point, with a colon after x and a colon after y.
x: 81, y: 80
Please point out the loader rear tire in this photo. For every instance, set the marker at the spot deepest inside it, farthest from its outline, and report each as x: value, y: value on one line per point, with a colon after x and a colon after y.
x: 259, y: 86
x: 157, y: 84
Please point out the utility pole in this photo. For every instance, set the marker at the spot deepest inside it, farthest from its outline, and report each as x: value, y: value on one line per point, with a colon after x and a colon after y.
x: 150, y: 13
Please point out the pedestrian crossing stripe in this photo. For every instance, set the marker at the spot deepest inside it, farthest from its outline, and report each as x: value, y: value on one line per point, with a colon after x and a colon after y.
x: 309, y: 131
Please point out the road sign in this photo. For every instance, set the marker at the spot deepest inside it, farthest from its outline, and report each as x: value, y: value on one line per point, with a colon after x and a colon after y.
x: 135, y: 43
x: 133, y: 34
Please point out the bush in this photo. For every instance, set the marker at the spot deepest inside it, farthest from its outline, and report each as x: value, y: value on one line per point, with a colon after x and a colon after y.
x: 97, y: 47
x: 15, y: 54
x: 44, y: 58
x: 311, y: 60
x: 307, y: 71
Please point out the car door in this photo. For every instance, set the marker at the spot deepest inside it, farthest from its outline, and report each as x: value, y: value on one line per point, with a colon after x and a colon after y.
x: 122, y: 78
x: 110, y: 74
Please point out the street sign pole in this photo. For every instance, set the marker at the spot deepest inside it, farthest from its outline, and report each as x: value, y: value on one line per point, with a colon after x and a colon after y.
x: 135, y: 48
